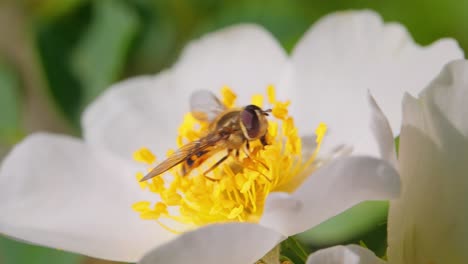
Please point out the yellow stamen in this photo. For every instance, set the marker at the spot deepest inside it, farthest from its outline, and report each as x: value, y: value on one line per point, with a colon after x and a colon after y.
x: 143, y: 185
x: 142, y: 206
x: 242, y: 184
x: 228, y: 97
x: 271, y: 94
x: 257, y: 100
x: 280, y: 109
x: 144, y: 155
x: 320, y: 132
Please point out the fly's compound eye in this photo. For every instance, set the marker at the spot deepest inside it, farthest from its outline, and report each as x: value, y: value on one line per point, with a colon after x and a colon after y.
x: 249, y: 118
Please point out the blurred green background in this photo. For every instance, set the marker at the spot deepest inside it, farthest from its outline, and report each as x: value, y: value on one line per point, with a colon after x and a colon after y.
x: 57, y: 55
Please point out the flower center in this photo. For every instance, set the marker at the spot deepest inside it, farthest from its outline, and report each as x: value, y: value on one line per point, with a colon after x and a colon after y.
x: 235, y: 190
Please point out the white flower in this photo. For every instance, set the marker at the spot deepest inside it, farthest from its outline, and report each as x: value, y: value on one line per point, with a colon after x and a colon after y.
x: 76, y: 194
x: 427, y: 224
x: 351, y: 254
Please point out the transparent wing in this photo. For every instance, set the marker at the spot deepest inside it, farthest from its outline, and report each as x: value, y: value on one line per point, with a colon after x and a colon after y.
x: 188, y: 153
x: 205, y: 106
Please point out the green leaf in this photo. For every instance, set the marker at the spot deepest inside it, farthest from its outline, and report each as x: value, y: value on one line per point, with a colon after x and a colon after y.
x: 292, y: 250
x: 55, y: 41
x: 100, y: 55
x: 9, y: 105
x: 15, y: 252
x: 347, y: 226
x: 375, y: 240
x: 285, y: 21
x: 156, y: 46
x: 49, y: 9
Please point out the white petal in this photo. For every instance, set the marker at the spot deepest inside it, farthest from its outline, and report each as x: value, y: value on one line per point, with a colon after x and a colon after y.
x: 344, y: 55
x: 57, y: 192
x: 382, y: 133
x: 329, y: 191
x: 448, y: 93
x: 223, y: 243
x: 245, y: 57
x: 144, y: 111
x: 428, y: 223
x: 351, y: 254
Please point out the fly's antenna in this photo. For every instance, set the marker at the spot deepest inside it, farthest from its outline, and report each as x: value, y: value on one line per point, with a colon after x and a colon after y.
x: 266, y: 112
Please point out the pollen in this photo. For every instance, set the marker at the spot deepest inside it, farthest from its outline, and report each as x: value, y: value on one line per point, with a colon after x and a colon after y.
x: 236, y: 190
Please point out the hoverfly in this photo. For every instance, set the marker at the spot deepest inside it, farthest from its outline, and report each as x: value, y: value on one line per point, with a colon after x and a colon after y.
x: 229, y: 130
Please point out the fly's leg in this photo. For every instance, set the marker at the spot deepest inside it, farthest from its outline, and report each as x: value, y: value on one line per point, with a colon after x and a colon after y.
x: 247, y: 153
x: 237, y: 157
x: 215, y: 166
x: 263, y: 140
